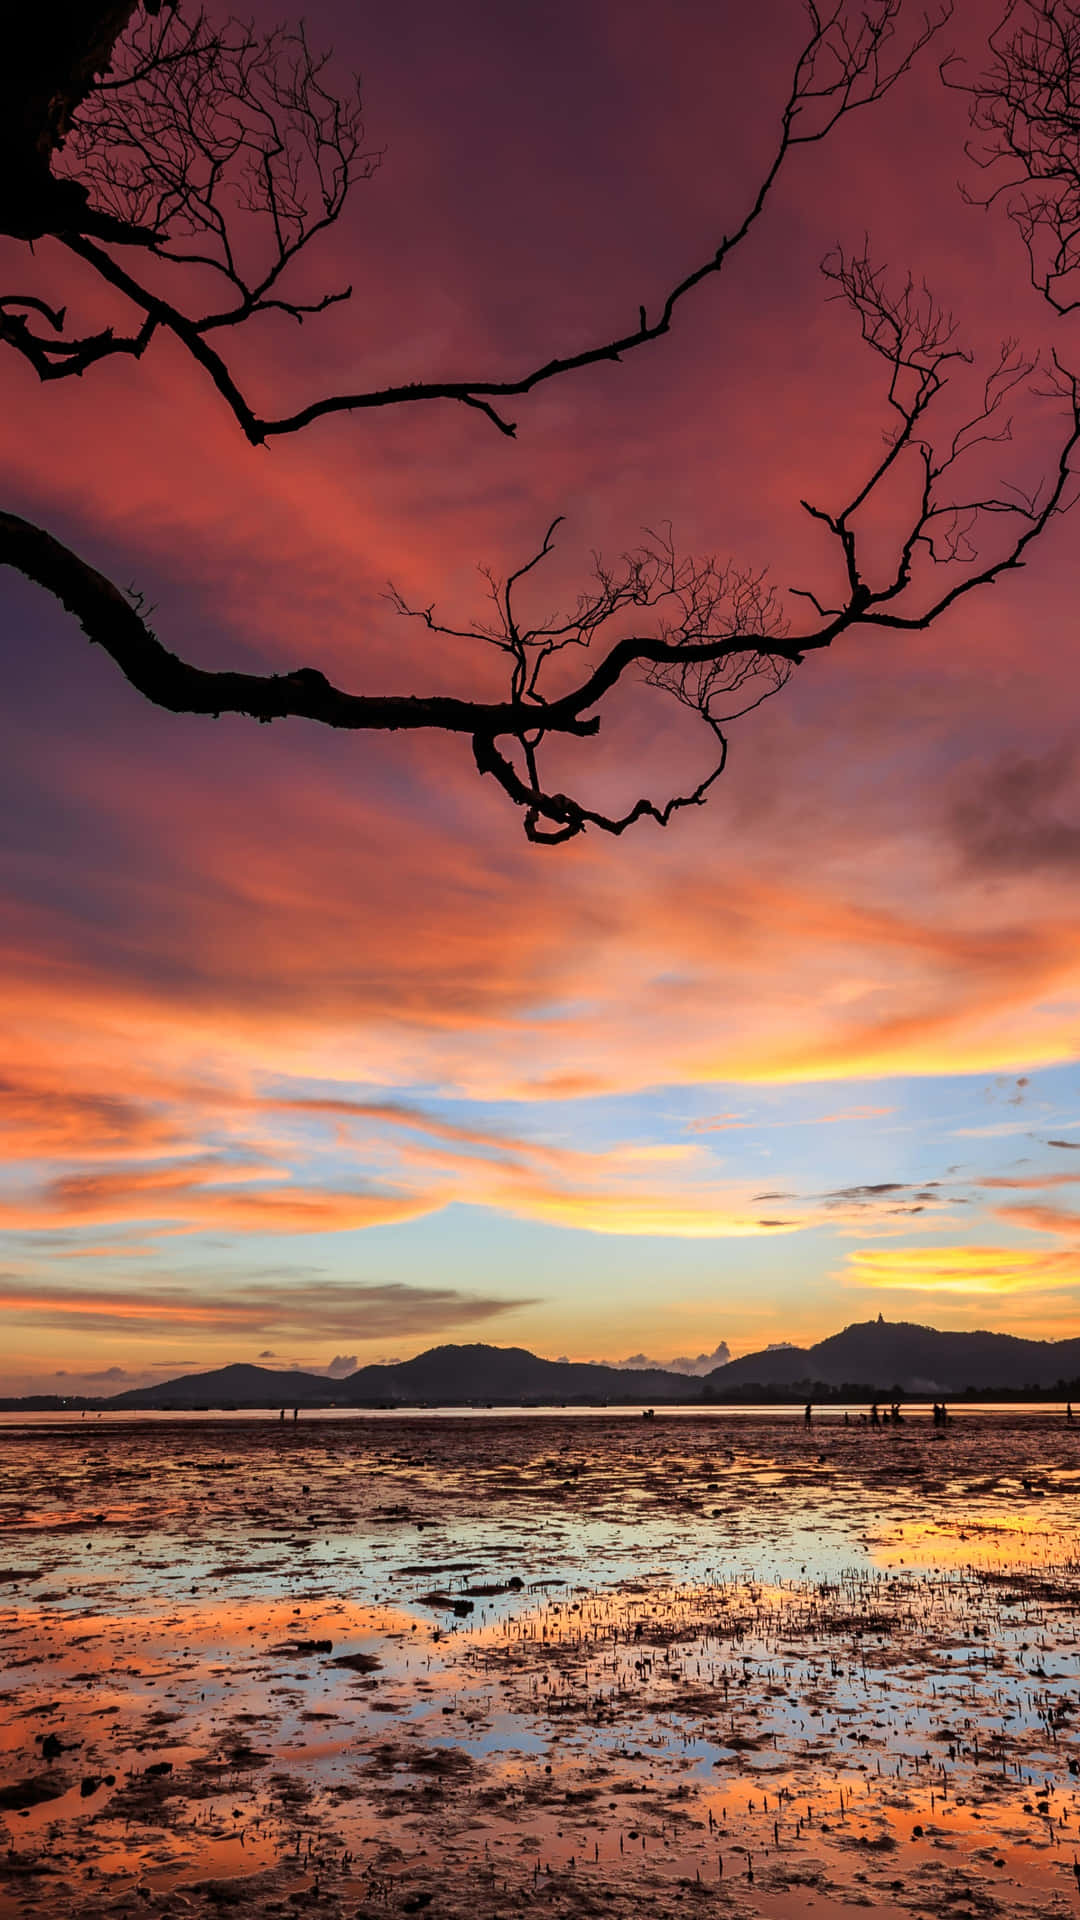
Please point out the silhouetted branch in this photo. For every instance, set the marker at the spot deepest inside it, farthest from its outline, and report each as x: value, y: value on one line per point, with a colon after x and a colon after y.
x: 712, y: 636
x: 202, y: 145
x: 1025, y: 120
x: 917, y: 340
x: 205, y: 140
x: 51, y: 57
x: 114, y: 620
x: 716, y: 636
x: 196, y: 127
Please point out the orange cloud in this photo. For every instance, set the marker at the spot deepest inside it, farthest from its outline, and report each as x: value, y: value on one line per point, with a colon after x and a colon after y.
x: 1043, y: 1219
x: 636, y: 1188
x: 443, y: 999
x: 203, y: 1194
x: 314, y: 1311
x: 1030, y: 1180
x: 60, y: 1120
x: 962, y: 1270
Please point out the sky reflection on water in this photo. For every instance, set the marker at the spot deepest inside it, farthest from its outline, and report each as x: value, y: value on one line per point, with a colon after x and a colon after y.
x: 562, y: 1620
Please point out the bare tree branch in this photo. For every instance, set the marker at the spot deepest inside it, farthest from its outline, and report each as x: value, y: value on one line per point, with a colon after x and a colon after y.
x: 114, y: 620
x: 228, y: 152
x: 228, y: 147
x: 52, y: 58
x: 713, y: 636
x: 1024, y: 111
x: 216, y: 155
x: 917, y: 341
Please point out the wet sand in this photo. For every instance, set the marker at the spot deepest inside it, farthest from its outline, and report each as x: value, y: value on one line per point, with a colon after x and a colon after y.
x: 468, y: 1668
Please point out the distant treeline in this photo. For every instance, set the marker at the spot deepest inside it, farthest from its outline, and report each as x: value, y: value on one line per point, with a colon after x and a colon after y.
x: 748, y: 1394
x: 851, y: 1392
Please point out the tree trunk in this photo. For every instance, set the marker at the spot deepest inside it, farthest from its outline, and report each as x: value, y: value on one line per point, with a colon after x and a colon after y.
x: 50, y: 53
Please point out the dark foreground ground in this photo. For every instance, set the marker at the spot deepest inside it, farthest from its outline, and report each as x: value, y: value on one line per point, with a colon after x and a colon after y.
x: 582, y: 1666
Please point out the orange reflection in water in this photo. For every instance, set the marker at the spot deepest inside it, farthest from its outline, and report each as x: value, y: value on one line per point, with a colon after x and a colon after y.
x: 635, y: 1732
x: 985, y: 1538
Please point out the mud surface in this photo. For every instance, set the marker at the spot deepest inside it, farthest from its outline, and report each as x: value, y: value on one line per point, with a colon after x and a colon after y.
x: 462, y: 1668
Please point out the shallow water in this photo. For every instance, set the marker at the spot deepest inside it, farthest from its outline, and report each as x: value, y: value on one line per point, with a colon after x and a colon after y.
x: 430, y: 1663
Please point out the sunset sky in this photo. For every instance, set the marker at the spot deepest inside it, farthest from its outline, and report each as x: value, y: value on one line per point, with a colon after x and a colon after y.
x: 306, y: 1052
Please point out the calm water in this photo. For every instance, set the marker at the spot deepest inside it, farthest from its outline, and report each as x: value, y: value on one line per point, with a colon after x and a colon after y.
x: 834, y: 1415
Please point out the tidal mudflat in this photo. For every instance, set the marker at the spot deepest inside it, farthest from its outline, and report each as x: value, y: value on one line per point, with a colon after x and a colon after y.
x: 590, y: 1666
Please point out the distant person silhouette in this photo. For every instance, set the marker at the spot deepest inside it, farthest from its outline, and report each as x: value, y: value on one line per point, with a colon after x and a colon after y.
x: 875, y: 1418
x: 809, y: 1414
x: 296, y: 1413
x: 1069, y: 1413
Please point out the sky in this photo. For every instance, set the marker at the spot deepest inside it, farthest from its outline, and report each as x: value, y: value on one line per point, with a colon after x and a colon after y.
x: 307, y: 1055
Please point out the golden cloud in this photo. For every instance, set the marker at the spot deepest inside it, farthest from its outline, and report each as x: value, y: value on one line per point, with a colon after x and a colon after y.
x: 962, y: 1270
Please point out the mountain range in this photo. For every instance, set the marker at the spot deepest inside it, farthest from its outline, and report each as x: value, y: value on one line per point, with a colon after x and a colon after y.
x: 872, y: 1357
x: 444, y: 1376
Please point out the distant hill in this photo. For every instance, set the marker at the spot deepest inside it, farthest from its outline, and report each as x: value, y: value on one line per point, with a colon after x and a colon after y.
x: 871, y: 1357
x: 511, y: 1376
x: 887, y: 1354
x: 236, y: 1386
x: 445, y: 1376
